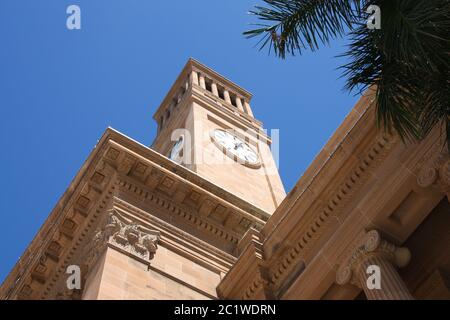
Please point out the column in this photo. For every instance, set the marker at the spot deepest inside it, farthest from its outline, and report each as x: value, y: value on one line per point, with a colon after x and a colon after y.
x: 247, y: 109
x: 376, y: 252
x: 214, y: 89
x: 239, y: 104
x: 194, y: 77
x: 202, y: 81
x: 226, y: 96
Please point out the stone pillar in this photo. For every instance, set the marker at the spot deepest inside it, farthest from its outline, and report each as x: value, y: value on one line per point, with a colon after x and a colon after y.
x: 202, y: 81
x: 247, y: 109
x: 214, y: 89
x: 239, y: 104
x: 194, y: 77
x: 226, y: 96
x: 374, y: 253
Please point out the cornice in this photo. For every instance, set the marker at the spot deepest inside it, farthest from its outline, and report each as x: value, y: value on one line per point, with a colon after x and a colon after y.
x: 191, y: 65
x: 162, y: 163
x: 58, y: 247
x: 226, y: 111
x: 198, y: 66
x: 351, y: 134
x: 56, y: 233
x: 155, y: 174
x: 191, y: 217
x: 38, y: 273
x: 317, y: 222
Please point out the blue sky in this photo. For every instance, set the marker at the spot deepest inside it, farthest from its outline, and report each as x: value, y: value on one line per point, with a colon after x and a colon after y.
x: 60, y: 89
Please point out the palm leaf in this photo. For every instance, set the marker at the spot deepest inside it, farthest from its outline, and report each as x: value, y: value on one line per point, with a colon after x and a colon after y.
x: 407, y: 60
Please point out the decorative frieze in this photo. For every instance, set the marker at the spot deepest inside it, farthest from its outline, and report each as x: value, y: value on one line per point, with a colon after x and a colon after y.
x: 210, y: 216
x: 124, y: 235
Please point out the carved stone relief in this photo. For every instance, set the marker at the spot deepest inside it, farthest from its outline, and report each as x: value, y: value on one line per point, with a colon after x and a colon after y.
x: 124, y: 235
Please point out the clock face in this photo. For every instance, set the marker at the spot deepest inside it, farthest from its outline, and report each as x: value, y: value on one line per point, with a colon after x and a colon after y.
x: 176, y: 152
x: 236, y: 148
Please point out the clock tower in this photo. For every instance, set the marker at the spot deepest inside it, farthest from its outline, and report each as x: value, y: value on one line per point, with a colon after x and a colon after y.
x: 164, y: 222
x: 206, y: 124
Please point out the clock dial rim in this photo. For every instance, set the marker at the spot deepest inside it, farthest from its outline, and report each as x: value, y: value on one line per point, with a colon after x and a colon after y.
x: 254, y: 165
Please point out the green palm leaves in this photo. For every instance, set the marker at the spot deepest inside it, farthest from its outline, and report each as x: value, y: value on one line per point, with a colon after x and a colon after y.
x: 407, y: 60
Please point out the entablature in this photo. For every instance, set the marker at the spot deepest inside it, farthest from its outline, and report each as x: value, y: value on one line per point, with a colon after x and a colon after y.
x: 120, y: 168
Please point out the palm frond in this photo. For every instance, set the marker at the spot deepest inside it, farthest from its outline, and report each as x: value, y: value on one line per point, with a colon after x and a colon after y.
x: 300, y: 24
x: 407, y: 60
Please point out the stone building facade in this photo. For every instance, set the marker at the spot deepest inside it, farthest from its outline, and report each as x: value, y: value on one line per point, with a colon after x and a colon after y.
x: 202, y: 214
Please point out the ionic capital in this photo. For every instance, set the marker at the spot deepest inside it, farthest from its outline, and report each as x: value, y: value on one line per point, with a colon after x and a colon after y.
x: 371, y: 246
x: 436, y: 175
